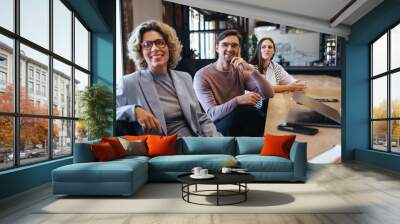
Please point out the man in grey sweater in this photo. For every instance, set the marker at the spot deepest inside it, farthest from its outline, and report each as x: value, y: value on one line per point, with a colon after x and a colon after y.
x: 220, y: 88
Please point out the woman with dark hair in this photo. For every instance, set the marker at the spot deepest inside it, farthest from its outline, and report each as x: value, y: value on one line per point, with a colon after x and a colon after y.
x: 275, y: 74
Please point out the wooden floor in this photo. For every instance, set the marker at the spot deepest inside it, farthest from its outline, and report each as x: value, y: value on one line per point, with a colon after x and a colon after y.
x: 377, y: 188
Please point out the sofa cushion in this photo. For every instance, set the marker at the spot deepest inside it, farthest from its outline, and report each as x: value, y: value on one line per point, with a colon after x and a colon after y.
x: 249, y: 145
x: 116, y: 145
x: 185, y: 163
x: 135, y: 147
x: 103, y: 152
x: 134, y: 137
x: 277, y: 145
x: 116, y: 170
x: 128, y: 159
x: 118, y: 177
x: 257, y: 163
x: 206, y: 145
x: 96, y: 172
x: 161, y: 145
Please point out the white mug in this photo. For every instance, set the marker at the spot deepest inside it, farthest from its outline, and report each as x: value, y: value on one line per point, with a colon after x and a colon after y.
x: 226, y: 170
x: 196, y: 170
x: 203, y: 172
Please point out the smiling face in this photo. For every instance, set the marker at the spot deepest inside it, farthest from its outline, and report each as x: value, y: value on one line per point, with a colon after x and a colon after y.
x: 228, y: 48
x: 267, y: 50
x: 155, y: 53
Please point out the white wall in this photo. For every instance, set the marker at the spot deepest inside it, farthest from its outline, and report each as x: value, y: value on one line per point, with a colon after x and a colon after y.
x: 146, y: 9
x: 142, y: 10
x: 299, y: 48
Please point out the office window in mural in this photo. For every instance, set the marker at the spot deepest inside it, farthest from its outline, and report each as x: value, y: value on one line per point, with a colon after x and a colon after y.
x: 204, y: 26
x: 385, y: 97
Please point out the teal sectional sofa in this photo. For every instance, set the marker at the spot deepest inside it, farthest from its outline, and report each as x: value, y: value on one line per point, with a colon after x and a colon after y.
x: 125, y: 176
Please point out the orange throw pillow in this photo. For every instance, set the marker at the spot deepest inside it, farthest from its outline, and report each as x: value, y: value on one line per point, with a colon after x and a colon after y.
x: 134, y: 137
x: 161, y: 145
x: 116, y: 145
x: 103, y: 152
x: 275, y: 145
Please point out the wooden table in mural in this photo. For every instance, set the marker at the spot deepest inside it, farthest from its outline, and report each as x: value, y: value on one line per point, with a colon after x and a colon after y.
x: 318, y: 86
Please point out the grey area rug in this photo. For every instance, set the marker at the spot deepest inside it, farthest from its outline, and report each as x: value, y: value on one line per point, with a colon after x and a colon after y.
x: 166, y: 198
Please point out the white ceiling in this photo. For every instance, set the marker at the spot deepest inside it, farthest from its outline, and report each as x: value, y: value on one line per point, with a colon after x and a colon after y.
x: 320, y: 9
x: 314, y: 15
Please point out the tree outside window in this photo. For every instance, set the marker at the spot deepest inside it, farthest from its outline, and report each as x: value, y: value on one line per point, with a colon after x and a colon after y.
x: 385, y: 97
x: 44, y: 131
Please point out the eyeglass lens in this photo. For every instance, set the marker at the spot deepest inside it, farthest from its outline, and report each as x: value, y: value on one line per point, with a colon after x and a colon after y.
x: 149, y: 44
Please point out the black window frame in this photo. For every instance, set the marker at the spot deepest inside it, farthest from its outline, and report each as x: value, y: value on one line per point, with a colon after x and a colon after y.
x: 388, y: 74
x: 16, y: 115
x: 201, y: 55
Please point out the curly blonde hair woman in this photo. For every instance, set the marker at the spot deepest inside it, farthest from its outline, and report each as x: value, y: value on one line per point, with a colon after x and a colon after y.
x: 161, y: 100
x: 169, y: 36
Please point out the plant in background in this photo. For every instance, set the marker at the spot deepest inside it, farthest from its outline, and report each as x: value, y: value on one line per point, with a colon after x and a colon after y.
x: 193, y: 54
x: 81, y: 130
x: 97, y: 106
x: 252, y: 43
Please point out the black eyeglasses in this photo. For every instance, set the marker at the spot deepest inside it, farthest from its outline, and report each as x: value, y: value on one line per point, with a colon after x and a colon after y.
x: 226, y: 44
x: 149, y: 44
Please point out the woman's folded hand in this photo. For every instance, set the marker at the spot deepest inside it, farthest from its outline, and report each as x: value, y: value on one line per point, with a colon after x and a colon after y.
x: 147, y: 120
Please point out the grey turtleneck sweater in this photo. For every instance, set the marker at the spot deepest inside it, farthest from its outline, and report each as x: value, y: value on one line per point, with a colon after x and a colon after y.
x: 174, y: 118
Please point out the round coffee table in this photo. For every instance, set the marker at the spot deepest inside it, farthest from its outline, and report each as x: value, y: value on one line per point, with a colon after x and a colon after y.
x: 238, y: 179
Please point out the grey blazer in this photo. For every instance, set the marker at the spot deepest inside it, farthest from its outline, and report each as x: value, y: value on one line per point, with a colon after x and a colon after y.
x: 138, y: 89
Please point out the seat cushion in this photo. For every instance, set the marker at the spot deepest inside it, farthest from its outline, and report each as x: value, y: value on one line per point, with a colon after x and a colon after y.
x: 185, y: 163
x: 134, y: 157
x: 257, y: 163
x: 118, y: 177
x: 112, y: 171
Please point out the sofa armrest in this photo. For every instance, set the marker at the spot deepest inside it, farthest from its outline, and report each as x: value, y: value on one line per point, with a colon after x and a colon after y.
x: 298, y: 155
x: 83, y: 152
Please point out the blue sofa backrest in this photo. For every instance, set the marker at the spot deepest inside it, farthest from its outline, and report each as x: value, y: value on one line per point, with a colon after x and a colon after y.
x: 192, y: 146
x: 249, y: 145
x: 83, y: 153
x: 206, y: 145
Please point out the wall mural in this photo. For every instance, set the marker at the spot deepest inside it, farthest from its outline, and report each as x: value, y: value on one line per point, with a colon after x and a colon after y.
x: 313, y: 114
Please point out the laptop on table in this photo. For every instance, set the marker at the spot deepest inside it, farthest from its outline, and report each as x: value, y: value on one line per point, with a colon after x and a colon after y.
x: 318, y: 114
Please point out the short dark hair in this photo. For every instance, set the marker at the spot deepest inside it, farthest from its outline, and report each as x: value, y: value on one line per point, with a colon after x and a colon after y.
x: 231, y: 32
